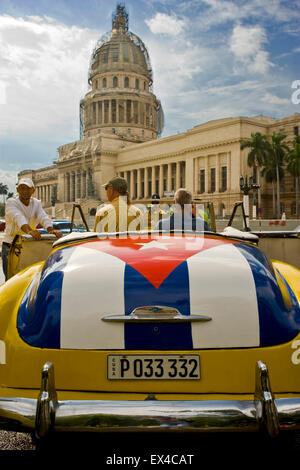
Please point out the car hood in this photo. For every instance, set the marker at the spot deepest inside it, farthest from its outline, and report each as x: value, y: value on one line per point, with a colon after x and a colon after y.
x: 231, y: 283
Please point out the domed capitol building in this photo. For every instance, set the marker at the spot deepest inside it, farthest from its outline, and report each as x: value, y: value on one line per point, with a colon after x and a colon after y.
x: 121, y: 121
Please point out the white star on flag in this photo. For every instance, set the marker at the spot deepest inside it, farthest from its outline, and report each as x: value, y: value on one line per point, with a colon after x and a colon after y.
x: 153, y: 244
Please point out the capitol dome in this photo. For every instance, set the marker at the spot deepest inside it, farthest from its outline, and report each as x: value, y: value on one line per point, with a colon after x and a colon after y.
x: 121, y: 100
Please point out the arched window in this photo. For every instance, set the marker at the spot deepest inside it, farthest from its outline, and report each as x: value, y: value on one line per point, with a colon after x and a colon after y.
x: 104, y: 82
x: 115, y: 82
x: 137, y: 83
x: 126, y: 82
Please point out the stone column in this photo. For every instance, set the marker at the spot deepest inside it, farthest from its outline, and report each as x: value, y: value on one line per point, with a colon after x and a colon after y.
x: 109, y: 112
x: 217, y: 173
x: 138, y: 183
x: 78, y: 184
x: 72, y: 182
x: 153, y: 180
x: 229, y: 171
x: 206, y: 174
x: 146, y: 179
x: 117, y: 111
x: 169, y: 177
x: 196, y: 175
x: 68, y: 187
x: 161, y: 180
x: 177, y: 175
x: 131, y: 182
x: 63, y: 192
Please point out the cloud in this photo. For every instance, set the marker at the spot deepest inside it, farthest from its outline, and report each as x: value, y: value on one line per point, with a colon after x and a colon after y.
x: 44, y: 73
x: 273, y: 99
x: 9, y: 178
x: 210, y: 13
x: 165, y: 24
x: 246, y: 43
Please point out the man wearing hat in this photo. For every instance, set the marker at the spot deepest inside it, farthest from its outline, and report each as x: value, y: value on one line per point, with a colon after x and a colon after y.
x: 119, y: 215
x: 22, y: 214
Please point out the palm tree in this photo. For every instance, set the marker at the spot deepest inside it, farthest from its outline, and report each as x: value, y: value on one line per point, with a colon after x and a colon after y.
x: 293, y: 167
x: 259, y: 146
x: 3, y: 190
x: 277, y: 152
x: 269, y: 173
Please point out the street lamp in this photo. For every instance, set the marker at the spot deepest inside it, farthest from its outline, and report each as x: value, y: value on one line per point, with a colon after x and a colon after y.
x: 245, y: 187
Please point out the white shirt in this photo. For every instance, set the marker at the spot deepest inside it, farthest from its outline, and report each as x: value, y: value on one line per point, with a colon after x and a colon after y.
x: 17, y: 214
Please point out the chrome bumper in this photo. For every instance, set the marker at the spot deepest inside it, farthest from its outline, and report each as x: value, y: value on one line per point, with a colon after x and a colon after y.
x: 47, y: 414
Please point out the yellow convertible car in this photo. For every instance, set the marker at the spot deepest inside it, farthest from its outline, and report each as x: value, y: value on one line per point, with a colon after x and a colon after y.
x: 151, y: 332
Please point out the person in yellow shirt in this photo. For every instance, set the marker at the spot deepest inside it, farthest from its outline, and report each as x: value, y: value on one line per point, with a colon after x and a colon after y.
x: 119, y: 215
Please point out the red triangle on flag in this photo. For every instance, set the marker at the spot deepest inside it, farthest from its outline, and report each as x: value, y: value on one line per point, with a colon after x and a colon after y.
x: 154, y: 256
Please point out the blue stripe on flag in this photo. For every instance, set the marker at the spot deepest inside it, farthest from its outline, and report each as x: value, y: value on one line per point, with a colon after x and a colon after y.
x: 277, y: 322
x: 38, y: 319
x: 173, y: 292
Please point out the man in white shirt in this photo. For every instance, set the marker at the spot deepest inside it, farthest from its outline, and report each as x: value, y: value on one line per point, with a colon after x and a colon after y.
x: 22, y: 214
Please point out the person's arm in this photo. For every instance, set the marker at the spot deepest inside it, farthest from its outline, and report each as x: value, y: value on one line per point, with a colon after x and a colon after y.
x: 13, y: 211
x: 28, y: 230
x: 55, y: 232
x: 43, y: 218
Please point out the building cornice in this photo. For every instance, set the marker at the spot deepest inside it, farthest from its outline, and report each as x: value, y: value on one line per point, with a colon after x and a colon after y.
x: 180, y: 152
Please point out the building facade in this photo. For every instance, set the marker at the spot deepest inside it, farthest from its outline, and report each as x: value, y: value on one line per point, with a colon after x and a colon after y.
x: 121, y: 120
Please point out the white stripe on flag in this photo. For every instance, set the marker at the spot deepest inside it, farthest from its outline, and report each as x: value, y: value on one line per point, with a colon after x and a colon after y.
x: 222, y: 287
x: 93, y: 286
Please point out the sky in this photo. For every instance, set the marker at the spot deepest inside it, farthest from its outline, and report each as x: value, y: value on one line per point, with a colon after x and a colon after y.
x: 211, y: 59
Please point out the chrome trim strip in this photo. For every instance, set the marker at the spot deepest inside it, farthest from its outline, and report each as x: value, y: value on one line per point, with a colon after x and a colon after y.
x: 17, y: 414
x: 154, y: 415
x: 157, y: 314
x: 155, y: 318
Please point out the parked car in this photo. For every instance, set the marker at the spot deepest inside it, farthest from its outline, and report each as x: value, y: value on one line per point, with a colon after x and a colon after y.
x: 151, y: 332
x: 64, y: 226
x: 2, y: 225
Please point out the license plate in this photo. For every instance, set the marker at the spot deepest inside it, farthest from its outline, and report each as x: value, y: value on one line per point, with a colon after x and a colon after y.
x: 154, y: 367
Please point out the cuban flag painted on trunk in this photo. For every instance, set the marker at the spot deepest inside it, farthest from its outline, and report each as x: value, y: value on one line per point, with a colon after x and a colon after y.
x: 230, y: 282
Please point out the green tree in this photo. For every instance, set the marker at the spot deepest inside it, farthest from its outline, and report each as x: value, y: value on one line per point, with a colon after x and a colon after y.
x: 293, y: 167
x: 3, y: 191
x: 277, y: 151
x: 269, y: 173
x: 259, y: 151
